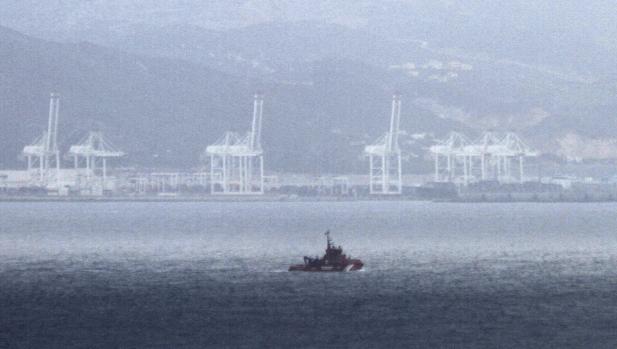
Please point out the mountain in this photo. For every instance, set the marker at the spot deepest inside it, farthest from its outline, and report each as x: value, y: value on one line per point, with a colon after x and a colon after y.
x: 477, y: 90
x: 542, y: 69
x: 144, y: 102
x: 287, y: 53
x: 560, y: 35
x: 164, y: 111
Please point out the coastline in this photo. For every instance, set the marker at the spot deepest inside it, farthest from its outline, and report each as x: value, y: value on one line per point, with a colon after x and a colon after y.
x: 465, y: 198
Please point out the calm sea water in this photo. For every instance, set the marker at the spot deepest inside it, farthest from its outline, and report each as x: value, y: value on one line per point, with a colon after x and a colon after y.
x: 196, y: 275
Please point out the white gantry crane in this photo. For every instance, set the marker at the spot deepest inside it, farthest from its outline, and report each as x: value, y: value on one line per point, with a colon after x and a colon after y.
x: 43, y: 155
x: 236, y: 162
x: 488, y: 158
x: 385, y: 173
x: 92, y: 152
x: 452, y: 150
x: 485, y: 150
x: 513, y: 148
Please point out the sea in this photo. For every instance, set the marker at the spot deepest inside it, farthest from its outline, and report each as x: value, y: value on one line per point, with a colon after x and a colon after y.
x: 214, y: 275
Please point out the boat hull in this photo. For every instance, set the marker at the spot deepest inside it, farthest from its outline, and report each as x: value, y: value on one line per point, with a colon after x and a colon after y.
x: 353, y: 265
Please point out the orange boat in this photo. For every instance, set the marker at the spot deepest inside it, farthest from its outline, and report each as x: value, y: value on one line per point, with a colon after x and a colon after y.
x: 333, y: 260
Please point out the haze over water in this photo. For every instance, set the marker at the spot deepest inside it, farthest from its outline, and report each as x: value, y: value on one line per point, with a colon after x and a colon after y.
x: 214, y: 274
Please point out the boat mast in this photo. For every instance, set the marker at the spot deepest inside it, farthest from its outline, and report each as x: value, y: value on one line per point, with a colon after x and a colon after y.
x: 329, y: 240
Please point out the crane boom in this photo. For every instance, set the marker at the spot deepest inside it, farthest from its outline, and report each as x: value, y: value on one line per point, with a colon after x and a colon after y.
x: 255, y: 139
x: 395, y: 124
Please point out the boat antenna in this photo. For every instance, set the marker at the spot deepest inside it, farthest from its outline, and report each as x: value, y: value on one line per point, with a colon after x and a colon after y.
x: 328, y: 237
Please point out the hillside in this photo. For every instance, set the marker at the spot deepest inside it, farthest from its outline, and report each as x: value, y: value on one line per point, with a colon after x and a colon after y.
x: 153, y: 108
x: 328, y: 71
x: 164, y: 112
x: 562, y: 35
x: 480, y: 91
